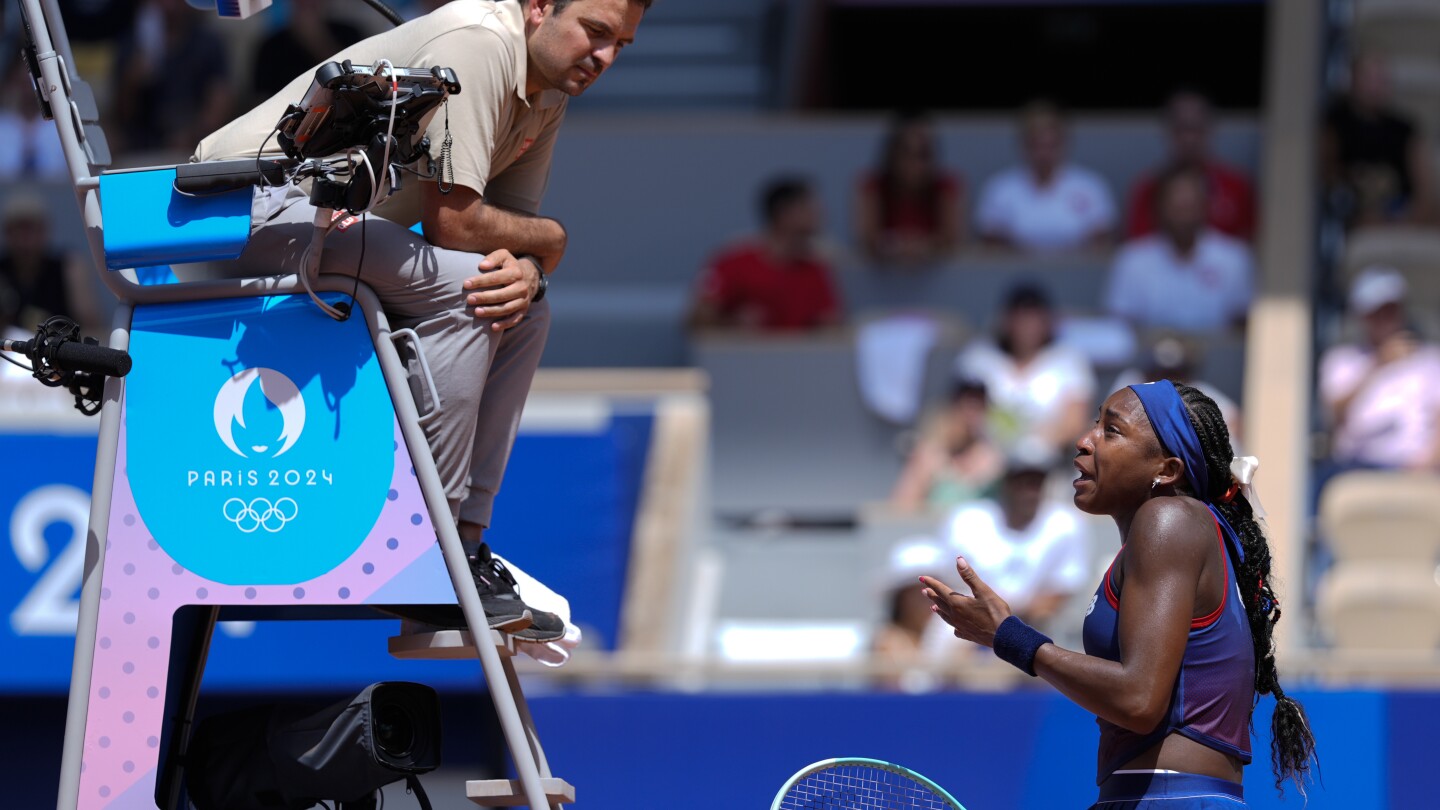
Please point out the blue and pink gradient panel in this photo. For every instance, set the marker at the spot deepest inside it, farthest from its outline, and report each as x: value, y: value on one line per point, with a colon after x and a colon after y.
x: 251, y: 471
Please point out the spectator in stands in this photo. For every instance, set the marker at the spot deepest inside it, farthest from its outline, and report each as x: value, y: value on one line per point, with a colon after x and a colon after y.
x: 1037, y: 548
x: 1047, y: 205
x: 1382, y: 394
x: 1374, y: 162
x: 1173, y: 358
x: 171, y: 86
x: 910, y: 211
x: 912, y: 644
x: 954, y: 461
x: 1036, y: 385
x: 310, y: 36
x: 32, y: 144
x: 37, y: 280
x: 1186, y: 276
x: 777, y: 281
x: 1231, y: 208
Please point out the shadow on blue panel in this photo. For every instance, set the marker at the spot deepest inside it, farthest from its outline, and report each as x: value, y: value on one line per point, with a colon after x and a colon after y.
x: 569, y: 523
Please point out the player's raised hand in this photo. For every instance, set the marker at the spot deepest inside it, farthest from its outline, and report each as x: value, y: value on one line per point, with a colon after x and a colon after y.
x: 974, y: 618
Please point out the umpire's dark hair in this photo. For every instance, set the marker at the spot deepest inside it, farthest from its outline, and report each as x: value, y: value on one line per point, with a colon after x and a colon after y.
x: 779, y: 193
x: 1292, y: 745
x: 561, y: 4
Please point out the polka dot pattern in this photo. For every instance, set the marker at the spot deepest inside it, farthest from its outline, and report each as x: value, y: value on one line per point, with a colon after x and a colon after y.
x: 143, y: 586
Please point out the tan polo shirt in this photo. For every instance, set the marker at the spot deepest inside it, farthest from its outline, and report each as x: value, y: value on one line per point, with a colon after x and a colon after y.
x: 502, y: 141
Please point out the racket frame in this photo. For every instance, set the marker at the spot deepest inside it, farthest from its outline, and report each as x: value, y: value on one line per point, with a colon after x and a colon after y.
x: 826, y: 764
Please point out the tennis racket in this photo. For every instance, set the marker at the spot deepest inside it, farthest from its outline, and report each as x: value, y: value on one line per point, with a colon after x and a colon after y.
x: 855, y: 783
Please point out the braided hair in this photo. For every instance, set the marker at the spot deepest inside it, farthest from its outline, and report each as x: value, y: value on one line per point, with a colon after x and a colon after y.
x: 1292, y: 746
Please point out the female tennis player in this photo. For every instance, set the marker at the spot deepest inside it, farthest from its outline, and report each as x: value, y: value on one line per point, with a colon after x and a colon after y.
x: 1173, y: 659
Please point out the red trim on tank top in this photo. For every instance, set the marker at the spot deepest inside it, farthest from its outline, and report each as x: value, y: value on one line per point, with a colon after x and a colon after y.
x: 1113, y: 597
x: 1210, y: 618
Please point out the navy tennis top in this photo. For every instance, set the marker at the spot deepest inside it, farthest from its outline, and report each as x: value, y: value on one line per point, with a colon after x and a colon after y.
x: 1214, y: 692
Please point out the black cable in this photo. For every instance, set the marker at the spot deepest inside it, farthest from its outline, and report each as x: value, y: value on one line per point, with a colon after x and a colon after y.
x: 349, y: 309
x: 10, y: 359
x: 355, y: 292
x: 386, y: 12
x: 261, y: 151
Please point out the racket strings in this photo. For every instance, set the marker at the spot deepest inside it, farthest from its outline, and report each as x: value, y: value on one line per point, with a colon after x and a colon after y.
x: 858, y: 787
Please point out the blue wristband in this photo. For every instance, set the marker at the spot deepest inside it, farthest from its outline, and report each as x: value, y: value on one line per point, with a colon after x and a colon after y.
x: 1017, y: 642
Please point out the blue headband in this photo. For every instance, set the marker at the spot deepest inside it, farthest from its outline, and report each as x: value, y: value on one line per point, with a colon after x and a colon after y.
x: 1171, y: 421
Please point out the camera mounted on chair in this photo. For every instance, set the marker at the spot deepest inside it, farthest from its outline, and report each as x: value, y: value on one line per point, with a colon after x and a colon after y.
x: 352, y: 133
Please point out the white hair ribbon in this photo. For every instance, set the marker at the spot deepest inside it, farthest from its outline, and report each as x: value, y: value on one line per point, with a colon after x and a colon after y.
x: 1242, y: 469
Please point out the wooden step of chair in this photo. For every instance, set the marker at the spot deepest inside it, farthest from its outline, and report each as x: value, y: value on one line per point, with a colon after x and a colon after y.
x: 445, y: 645
x: 510, y: 793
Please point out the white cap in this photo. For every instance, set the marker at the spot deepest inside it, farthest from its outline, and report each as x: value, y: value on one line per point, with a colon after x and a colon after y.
x: 1029, y: 453
x: 1374, y: 288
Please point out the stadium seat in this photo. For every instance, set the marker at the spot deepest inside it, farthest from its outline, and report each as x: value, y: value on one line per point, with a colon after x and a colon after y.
x: 1390, y: 516
x: 1416, y: 82
x: 1381, y: 606
x: 1398, y: 27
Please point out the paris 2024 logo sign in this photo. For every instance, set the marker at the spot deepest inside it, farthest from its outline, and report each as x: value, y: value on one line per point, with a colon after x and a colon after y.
x: 273, y: 473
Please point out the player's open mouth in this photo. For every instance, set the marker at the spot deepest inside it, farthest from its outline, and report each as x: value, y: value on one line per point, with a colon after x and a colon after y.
x: 1081, y: 475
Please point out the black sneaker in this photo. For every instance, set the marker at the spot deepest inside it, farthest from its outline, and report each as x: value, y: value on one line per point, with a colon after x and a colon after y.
x: 491, y: 575
x: 544, y: 626
x: 503, y: 606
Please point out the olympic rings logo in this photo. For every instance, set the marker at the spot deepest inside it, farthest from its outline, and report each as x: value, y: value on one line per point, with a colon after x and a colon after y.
x: 260, y: 514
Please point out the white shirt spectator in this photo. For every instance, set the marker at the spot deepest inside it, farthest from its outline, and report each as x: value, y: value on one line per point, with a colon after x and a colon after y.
x: 1152, y: 285
x: 1063, y: 215
x: 1035, y: 394
x: 1392, y: 420
x: 1050, y: 556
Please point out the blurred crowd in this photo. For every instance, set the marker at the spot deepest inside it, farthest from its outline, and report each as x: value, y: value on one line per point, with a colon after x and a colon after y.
x: 988, y: 462
x: 1182, y: 273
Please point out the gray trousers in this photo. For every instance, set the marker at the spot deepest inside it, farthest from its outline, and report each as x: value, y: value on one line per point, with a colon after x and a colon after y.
x: 482, y: 377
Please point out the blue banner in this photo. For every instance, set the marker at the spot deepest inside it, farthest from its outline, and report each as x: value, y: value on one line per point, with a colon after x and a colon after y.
x: 565, y: 515
x: 1031, y: 749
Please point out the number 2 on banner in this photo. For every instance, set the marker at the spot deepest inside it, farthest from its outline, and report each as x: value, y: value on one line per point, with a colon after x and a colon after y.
x: 51, y: 607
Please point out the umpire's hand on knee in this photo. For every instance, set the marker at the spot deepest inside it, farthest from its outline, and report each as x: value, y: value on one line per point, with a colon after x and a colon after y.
x: 503, y: 289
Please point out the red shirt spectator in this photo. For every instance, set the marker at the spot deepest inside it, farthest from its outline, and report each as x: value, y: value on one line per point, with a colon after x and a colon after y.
x: 776, y: 281
x: 1231, y: 209
x: 913, y: 215
x: 750, y: 286
x: 910, y: 210
x: 1232, y: 199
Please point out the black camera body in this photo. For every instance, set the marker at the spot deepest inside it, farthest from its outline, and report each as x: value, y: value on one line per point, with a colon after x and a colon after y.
x: 282, y: 757
x: 375, y: 114
x: 348, y: 106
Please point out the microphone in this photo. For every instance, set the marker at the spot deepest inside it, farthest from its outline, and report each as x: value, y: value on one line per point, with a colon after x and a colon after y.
x: 76, y: 356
